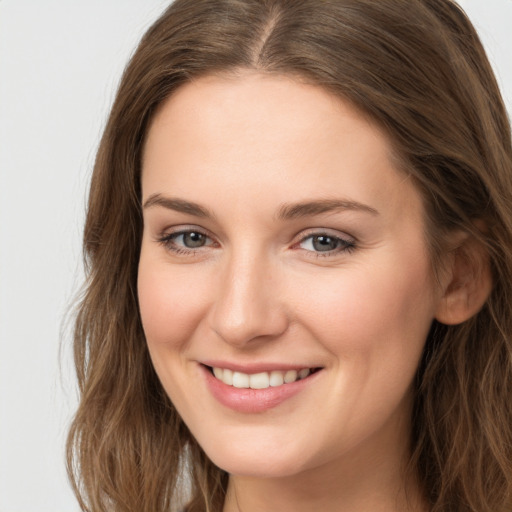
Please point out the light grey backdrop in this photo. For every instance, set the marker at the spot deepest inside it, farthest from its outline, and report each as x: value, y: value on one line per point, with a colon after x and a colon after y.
x: 60, y: 62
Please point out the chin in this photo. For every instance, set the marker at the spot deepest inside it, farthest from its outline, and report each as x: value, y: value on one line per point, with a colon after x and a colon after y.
x: 247, y: 459
x: 256, y: 467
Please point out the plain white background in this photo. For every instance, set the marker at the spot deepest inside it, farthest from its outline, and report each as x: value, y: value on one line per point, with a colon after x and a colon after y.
x: 60, y: 62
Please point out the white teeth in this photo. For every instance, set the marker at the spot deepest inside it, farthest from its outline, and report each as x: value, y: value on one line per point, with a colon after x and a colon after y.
x: 302, y: 373
x: 276, y: 379
x: 227, y: 378
x: 290, y: 376
x: 261, y: 380
x: 240, y: 380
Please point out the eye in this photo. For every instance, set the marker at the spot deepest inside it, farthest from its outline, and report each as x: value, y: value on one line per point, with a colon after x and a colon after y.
x: 185, y: 241
x: 190, y: 239
x: 326, y: 244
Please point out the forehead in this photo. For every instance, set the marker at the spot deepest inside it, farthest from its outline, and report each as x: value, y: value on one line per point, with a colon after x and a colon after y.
x: 272, y: 136
x: 260, y: 104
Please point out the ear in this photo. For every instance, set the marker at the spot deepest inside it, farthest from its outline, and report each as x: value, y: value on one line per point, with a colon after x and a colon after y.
x: 467, y: 282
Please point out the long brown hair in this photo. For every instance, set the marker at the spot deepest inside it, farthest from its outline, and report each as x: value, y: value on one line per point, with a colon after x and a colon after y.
x: 418, y: 69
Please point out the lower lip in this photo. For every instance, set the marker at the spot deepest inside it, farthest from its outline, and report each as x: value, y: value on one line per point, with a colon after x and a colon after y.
x: 248, y: 400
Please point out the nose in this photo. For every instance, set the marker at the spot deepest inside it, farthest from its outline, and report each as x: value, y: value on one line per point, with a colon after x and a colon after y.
x: 248, y: 305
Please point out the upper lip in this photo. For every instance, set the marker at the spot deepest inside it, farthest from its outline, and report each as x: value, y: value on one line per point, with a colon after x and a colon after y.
x: 256, y: 367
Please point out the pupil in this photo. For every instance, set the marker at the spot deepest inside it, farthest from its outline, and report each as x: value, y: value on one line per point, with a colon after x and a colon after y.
x: 325, y: 243
x: 193, y: 239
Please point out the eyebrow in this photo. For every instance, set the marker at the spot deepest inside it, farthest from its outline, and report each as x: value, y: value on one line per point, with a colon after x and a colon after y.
x: 178, y: 205
x: 310, y: 208
x: 286, y: 211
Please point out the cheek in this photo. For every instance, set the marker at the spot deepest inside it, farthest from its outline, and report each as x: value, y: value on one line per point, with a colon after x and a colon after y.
x: 170, y: 303
x: 170, y: 310
x: 371, y: 310
x: 374, y: 323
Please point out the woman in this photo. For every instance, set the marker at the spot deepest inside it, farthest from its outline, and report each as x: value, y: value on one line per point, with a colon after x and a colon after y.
x: 299, y: 250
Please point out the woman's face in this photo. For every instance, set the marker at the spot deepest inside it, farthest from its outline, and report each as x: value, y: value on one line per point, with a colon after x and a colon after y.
x: 281, y: 242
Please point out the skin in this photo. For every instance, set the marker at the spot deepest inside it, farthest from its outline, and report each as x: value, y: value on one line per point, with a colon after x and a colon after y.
x: 258, y: 290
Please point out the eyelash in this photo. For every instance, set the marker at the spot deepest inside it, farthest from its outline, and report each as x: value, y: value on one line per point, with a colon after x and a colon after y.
x: 168, y: 241
x: 345, y: 245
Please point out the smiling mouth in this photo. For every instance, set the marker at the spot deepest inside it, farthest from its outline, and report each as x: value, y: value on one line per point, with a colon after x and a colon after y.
x: 262, y: 380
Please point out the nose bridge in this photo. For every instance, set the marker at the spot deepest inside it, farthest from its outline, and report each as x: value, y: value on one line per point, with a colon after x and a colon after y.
x: 247, y: 306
